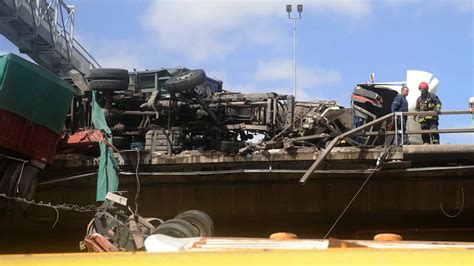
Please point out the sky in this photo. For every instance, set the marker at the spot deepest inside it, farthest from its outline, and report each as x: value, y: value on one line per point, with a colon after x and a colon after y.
x: 249, y: 44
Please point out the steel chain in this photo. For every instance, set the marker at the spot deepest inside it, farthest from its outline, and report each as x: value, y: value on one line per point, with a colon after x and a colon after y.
x: 64, y: 206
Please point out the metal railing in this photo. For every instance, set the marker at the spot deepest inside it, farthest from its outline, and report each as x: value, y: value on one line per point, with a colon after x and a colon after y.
x: 389, y: 117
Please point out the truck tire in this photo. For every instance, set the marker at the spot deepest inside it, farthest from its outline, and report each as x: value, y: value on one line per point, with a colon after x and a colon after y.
x: 176, y: 228
x: 108, y: 73
x: 28, y: 182
x: 3, y: 166
x: 109, y: 84
x: 10, y: 176
x: 200, y: 220
x: 185, y: 80
x: 194, y: 229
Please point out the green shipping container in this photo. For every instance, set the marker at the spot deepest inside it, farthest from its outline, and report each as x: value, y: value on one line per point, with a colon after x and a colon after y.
x: 33, y: 92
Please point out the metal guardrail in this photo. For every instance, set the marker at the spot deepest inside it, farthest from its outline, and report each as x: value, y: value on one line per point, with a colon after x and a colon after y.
x: 428, y: 131
x: 358, y: 131
x: 401, y: 132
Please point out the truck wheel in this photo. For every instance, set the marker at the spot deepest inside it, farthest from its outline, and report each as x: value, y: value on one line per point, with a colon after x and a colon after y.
x: 185, y: 80
x: 200, y: 220
x: 10, y: 176
x: 108, y: 73
x: 109, y: 84
x: 194, y: 229
x: 3, y: 166
x: 176, y: 228
x: 28, y: 183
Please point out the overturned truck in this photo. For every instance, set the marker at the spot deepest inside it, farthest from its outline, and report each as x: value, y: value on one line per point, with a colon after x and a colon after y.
x: 172, y: 110
x: 164, y: 111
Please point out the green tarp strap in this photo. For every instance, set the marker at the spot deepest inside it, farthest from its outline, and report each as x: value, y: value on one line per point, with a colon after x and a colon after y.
x: 107, y: 180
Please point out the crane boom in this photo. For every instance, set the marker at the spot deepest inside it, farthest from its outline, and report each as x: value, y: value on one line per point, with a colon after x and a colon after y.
x: 44, y: 30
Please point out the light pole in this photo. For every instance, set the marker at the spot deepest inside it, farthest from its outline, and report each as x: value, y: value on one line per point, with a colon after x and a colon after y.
x: 299, y: 8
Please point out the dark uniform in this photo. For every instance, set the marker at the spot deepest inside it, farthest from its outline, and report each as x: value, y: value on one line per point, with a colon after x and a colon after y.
x: 400, y: 104
x: 429, y: 102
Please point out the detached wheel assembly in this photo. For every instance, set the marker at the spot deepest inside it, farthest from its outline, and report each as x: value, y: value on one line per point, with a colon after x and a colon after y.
x: 186, y: 80
x: 114, y: 229
x: 200, y: 220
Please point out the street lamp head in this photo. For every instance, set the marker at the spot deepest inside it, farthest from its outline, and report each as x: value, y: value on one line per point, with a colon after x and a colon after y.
x: 288, y: 9
x: 299, y: 7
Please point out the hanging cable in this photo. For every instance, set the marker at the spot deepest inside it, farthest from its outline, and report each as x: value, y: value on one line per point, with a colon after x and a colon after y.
x: 57, y: 217
x: 350, y: 203
x: 138, y: 181
x: 460, y: 210
x: 386, y: 154
x: 19, y: 177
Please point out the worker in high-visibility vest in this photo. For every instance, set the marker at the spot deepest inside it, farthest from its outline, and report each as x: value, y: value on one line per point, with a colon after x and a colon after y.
x: 428, y: 102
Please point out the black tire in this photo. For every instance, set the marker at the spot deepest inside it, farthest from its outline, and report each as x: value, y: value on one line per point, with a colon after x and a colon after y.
x: 28, y: 182
x: 109, y: 84
x: 194, y: 229
x: 185, y: 80
x: 3, y: 166
x: 10, y: 176
x: 108, y: 73
x: 176, y: 228
x: 200, y: 220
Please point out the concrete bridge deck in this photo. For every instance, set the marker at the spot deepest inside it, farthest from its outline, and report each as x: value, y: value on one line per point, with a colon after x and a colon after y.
x: 260, y: 194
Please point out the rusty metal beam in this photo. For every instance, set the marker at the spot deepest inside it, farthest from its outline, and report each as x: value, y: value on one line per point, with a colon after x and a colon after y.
x: 336, y: 140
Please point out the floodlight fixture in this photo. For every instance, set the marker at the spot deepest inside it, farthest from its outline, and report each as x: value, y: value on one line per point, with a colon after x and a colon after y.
x: 299, y: 8
x: 288, y: 10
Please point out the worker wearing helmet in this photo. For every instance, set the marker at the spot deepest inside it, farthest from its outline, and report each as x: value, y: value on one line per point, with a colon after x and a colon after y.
x: 428, y: 102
